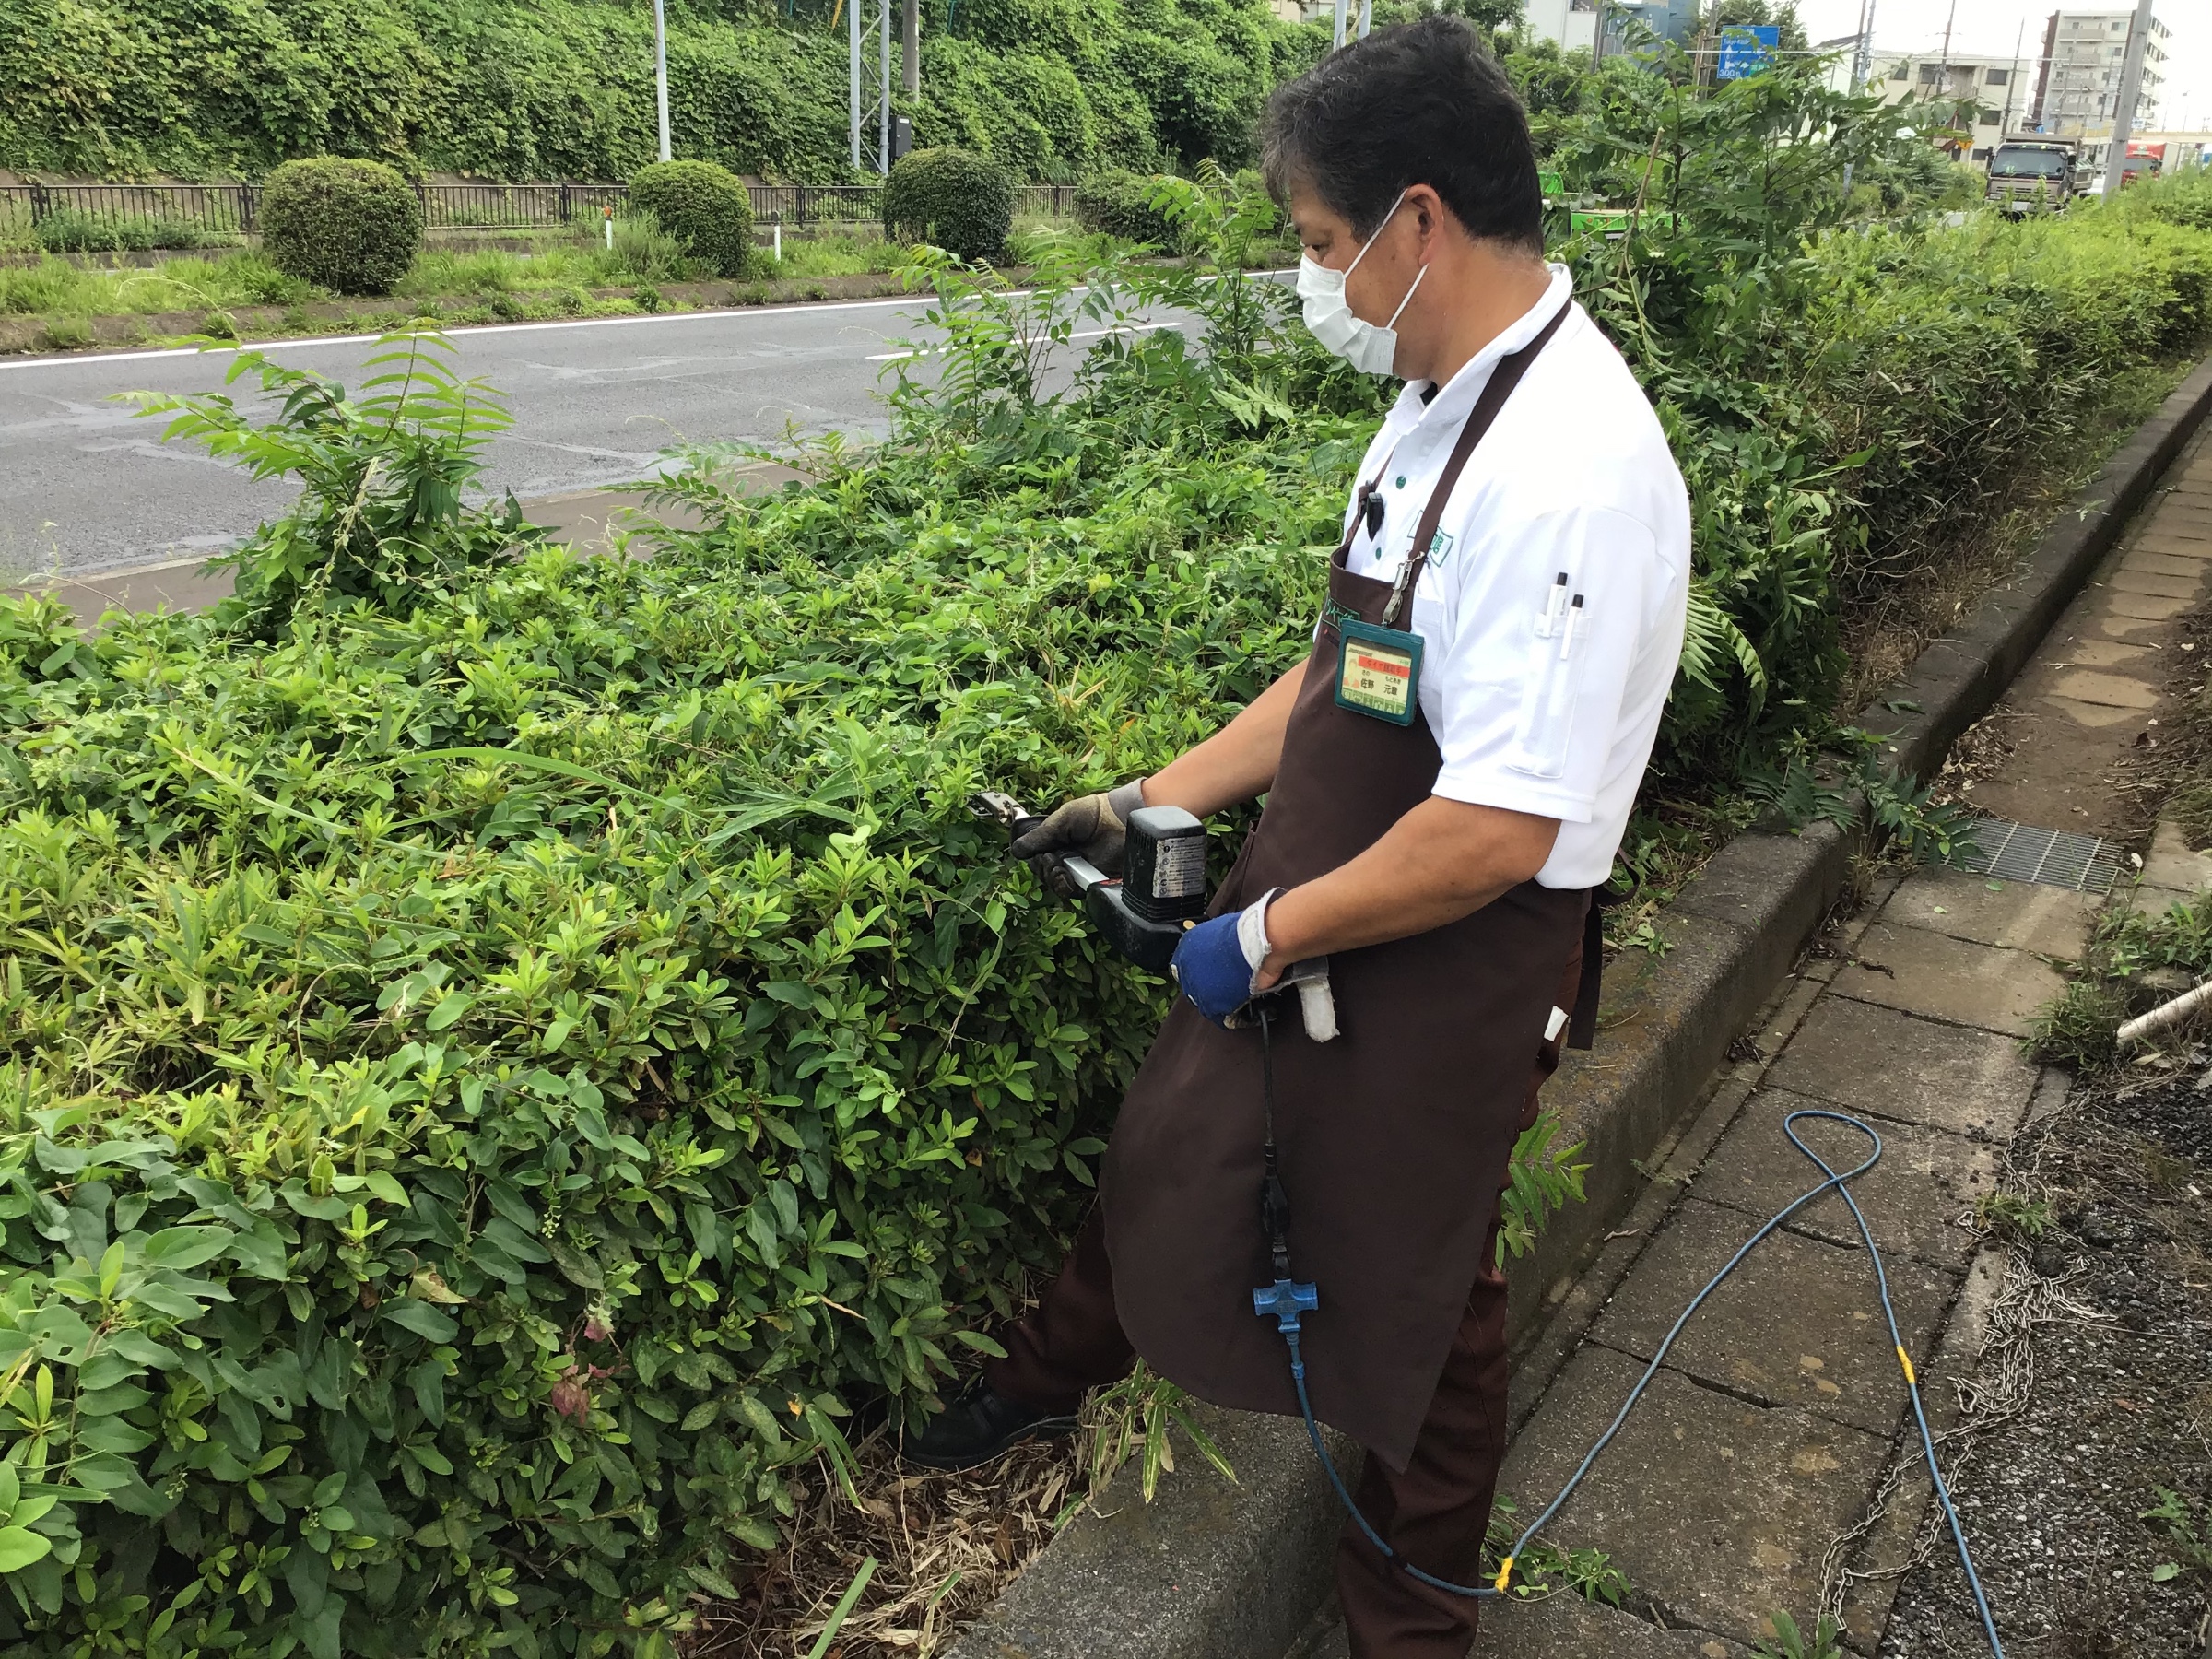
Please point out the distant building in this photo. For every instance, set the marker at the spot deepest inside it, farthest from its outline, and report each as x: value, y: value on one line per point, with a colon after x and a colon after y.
x: 1574, y: 23
x: 1998, y: 87
x: 2077, y: 90
x: 1571, y: 23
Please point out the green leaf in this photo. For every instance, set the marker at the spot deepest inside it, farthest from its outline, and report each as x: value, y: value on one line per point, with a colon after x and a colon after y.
x: 420, y: 1318
x: 19, y: 1547
x: 450, y: 1007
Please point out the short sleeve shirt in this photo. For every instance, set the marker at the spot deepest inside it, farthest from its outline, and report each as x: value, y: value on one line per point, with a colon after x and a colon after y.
x: 1552, y: 605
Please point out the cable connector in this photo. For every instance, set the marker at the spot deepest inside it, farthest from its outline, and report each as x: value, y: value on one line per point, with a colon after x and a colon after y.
x: 1905, y: 1359
x: 1505, y: 1572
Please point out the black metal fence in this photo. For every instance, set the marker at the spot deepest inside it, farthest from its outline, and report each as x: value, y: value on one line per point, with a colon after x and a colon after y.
x: 220, y: 210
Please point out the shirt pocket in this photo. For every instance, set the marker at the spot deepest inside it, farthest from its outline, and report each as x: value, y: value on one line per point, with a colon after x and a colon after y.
x: 1546, y: 727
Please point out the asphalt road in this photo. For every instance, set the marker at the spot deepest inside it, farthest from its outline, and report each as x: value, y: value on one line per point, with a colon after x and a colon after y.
x: 85, y: 483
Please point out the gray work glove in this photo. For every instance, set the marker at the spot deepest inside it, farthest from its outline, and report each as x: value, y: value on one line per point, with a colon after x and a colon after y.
x: 1092, y: 827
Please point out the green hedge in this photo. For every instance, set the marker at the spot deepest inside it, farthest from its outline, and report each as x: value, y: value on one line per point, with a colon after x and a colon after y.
x: 564, y: 89
x: 1119, y: 203
x: 559, y: 1041
x: 352, y: 227
x: 960, y: 202
x: 705, y: 207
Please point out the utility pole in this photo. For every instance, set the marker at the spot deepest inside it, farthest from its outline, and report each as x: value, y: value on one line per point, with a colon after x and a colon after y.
x: 1340, y: 21
x: 660, y: 60
x: 910, y: 48
x: 1367, y: 17
x: 2123, y: 112
x: 2004, y: 126
x: 852, y: 57
x: 1862, y: 55
x: 883, y: 60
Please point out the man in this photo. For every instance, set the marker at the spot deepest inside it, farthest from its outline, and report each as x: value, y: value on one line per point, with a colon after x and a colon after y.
x: 1448, y: 777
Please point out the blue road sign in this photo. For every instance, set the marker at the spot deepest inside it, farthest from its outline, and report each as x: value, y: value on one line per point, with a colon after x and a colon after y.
x: 1746, y: 49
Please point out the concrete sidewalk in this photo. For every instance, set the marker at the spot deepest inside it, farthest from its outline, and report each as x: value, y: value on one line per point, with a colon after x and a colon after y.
x: 1737, y: 1485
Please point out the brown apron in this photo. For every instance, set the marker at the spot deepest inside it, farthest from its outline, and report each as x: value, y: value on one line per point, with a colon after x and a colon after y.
x: 1394, y: 1137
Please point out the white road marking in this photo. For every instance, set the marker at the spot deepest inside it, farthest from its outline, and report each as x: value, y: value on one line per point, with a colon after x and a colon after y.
x: 476, y: 328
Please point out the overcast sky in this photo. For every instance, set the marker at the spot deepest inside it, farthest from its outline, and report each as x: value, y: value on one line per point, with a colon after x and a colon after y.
x: 1990, y: 27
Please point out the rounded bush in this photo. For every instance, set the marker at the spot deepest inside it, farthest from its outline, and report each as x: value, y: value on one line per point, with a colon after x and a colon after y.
x: 1119, y: 203
x: 705, y: 207
x: 962, y: 202
x: 352, y: 227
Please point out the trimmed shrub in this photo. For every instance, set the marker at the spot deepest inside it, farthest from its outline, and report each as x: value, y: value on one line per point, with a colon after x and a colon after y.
x: 66, y: 230
x: 961, y: 202
x: 1119, y: 203
x: 352, y: 227
x: 705, y: 207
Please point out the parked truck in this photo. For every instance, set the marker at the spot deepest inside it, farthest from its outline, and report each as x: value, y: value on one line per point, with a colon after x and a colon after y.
x: 2033, y: 174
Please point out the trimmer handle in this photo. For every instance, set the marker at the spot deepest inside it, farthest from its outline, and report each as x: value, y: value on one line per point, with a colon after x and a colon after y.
x: 1147, y: 942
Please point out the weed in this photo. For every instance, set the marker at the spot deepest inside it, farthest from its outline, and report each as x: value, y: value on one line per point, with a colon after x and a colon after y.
x: 2079, y: 1028
x: 1543, y: 1570
x: 2188, y: 1534
x: 1137, y: 1414
x: 1789, y: 1642
x: 2014, y: 1216
x: 1540, y: 1179
x: 67, y: 334
x: 646, y: 296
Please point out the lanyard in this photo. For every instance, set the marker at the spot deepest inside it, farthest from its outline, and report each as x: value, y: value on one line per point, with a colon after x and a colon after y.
x: 1379, y: 666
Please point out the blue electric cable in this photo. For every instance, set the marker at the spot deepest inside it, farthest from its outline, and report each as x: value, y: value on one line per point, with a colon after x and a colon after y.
x: 1286, y: 1299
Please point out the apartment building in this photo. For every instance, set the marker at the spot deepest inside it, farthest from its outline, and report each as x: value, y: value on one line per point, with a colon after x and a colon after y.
x: 1999, y: 88
x: 2077, y: 86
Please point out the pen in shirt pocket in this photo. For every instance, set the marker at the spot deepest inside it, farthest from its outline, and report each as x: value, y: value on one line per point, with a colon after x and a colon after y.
x: 1574, y: 618
x: 1554, y: 603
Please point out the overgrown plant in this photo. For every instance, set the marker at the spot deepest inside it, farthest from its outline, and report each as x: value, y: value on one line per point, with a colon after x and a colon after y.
x: 382, y: 519
x: 1137, y: 1415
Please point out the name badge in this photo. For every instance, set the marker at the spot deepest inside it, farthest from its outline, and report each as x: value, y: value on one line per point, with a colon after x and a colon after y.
x: 1378, y: 672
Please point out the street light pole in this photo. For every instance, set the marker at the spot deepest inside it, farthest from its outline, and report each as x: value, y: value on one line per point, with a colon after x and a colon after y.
x: 853, y: 58
x: 660, y: 59
x: 2123, y: 112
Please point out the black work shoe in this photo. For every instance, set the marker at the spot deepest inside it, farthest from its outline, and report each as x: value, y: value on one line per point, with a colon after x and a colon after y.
x: 979, y: 1426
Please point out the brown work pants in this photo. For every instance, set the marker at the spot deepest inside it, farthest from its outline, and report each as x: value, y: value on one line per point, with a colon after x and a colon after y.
x: 1433, y: 1515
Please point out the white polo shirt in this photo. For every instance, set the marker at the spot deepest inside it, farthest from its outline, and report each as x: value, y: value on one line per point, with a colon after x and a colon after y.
x: 1551, y: 609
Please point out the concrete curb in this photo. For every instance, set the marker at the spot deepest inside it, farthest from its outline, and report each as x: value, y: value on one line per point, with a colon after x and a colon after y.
x: 1212, y: 1571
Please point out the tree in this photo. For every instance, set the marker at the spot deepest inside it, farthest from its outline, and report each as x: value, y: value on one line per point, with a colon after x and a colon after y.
x: 1782, y: 12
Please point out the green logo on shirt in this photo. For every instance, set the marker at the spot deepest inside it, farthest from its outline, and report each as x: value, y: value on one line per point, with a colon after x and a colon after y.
x: 1440, y: 549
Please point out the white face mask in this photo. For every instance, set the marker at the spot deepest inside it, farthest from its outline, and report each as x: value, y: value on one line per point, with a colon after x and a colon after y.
x: 1369, y: 348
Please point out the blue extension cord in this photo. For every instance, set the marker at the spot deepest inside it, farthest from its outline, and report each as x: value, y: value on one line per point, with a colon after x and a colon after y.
x: 1286, y: 1313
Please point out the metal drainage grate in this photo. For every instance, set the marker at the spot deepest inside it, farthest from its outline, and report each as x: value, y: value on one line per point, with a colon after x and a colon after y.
x: 2011, y: 852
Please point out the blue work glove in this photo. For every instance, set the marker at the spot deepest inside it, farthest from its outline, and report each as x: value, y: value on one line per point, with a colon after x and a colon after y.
x: 1218, y: 962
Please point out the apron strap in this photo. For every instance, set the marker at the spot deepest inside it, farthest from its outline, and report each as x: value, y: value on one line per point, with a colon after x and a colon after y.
x: 1504, y: 379
x: 1582, y: 1028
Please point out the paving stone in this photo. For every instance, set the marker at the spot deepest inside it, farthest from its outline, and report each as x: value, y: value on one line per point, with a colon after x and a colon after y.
x: 2016, y: 915
x: 2124, y: 581
x: 1912, y: 1198
x: 2143, y: 606
x: 1879, y: 1061
x: 2170, y: 864
x: 2142, y: 560
x: 2094, y: 716
x: 1717, y: 1509
x: 1567, y: 1626
x: 2114, y: 690
x: 2125, y: 627
x: 1559, y: 1627
x: 2104, y: 654
x: 2169, y: 524
x: 1798, y: 1323
x: 1922, y: 972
